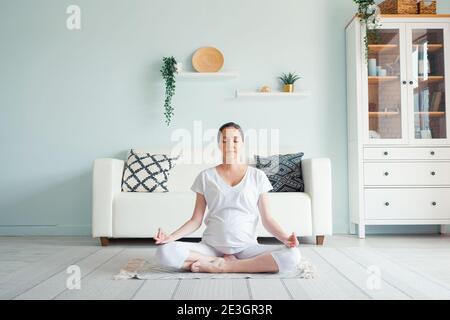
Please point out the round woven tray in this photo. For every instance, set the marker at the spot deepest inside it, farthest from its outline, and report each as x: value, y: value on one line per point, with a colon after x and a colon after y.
x: 207, y: 59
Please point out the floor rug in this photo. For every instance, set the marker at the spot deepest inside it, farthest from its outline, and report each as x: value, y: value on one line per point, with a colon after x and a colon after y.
x: 150, y: 269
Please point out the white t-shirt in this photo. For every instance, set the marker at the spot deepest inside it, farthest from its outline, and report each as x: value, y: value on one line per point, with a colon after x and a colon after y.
x: 233, y: 212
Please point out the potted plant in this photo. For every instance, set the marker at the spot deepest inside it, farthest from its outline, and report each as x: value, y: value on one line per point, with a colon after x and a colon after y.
x: 168, y: 70
x: 288, y: 81
x: 369, y: 15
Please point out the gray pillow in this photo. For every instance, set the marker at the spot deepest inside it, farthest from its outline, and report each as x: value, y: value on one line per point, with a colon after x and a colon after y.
x: 283, y: 170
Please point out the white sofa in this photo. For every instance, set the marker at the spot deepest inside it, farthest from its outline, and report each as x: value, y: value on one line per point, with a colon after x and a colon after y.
x: 117, y: 214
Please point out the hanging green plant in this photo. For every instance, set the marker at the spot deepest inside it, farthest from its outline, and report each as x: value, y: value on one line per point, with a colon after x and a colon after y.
x: 168, y: 71
x: 369, y: 15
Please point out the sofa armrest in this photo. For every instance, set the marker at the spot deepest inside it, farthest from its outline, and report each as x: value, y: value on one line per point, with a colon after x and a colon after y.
x: 106, y: 182
x: 317, y: 178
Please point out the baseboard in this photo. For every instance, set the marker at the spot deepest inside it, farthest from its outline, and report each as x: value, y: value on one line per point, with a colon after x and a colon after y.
x: 45, y: 230
x: 86, y: 230
x: 402, y: 229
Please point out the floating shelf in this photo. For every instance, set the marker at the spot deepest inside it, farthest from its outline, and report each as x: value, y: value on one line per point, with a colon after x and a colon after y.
x: 272, y: 94
x: 208, y: 75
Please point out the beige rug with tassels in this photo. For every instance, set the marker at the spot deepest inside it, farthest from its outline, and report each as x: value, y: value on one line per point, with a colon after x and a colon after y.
x: 149, y: 269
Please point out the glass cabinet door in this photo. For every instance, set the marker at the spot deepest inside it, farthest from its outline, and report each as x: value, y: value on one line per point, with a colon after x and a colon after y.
x: 386, y: 103
x: 428, y: 83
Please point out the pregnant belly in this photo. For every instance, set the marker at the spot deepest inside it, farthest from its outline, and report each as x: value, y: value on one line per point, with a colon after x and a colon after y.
x: 237, y: 232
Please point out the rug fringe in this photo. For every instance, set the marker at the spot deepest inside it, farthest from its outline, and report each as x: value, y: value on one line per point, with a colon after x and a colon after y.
x: 130, y: 270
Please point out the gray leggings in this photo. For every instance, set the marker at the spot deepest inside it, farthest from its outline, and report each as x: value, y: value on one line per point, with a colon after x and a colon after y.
x: 174, y: 254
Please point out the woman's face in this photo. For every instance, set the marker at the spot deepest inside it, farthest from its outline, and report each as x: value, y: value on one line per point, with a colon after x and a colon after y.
x: 230, y: 143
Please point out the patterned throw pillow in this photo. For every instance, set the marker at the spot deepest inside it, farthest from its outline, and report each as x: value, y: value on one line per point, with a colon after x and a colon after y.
x: 284, y: 171
x: 145, y: 172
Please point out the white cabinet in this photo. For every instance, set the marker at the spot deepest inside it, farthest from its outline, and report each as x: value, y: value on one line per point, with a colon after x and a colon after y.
x: 398, y: 124
x: 406, y: 153
x: 403, y: 204
x: 406, y: 174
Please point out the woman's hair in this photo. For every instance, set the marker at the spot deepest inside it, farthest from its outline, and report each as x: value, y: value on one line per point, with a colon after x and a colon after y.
x: 230, y: 125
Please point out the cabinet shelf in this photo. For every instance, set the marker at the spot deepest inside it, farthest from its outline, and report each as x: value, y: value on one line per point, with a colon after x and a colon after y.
x: 377, y: 79
x: 375, y: 114
x: 431, y: 114
x: 431, y: 47
x: 431, y: 79
x: 384, y: 48
x: 393, y: 48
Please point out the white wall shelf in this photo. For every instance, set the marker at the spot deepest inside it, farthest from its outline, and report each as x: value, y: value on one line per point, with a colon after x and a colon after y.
x: 272, y: 94
x: 207, y: 75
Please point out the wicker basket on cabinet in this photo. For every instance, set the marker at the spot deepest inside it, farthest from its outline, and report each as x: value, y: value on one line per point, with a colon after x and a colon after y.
x: 427, y: 7
x: 399, y: 7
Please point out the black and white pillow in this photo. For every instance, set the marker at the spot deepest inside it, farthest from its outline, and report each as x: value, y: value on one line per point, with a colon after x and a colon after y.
x: 145, y: 172
x: 284, y: 171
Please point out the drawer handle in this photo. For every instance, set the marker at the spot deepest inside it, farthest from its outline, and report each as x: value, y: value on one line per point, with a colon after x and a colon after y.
x: 386, y: 204
x: 385, y: 153
x: 433, y: 173
x: 434, y: 203
x: 386, y: 173
x: 432, y: 153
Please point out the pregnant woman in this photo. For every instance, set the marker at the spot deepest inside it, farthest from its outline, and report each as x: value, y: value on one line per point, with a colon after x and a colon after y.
x: 236, y: 195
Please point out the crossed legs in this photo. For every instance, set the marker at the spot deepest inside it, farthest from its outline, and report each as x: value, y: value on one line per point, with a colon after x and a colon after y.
x: 199, y: 257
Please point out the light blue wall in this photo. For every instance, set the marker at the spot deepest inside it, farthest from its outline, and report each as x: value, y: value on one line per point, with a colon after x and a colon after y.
x: 68, y: 97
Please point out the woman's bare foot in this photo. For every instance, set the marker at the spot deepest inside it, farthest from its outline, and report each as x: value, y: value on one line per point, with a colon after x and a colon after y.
x: 188, y: 263
x: 215, y: 266
x: 229, y: 257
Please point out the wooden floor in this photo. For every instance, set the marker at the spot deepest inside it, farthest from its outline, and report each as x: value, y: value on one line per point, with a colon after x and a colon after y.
x: 378, y: 267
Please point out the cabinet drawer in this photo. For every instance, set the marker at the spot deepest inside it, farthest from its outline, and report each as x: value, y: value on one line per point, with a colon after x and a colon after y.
x: 429, y: 153
x: 414, y: 203
x: 406, y: 173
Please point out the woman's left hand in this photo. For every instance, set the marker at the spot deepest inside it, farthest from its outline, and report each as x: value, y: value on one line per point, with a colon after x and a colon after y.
x: 292, y: 241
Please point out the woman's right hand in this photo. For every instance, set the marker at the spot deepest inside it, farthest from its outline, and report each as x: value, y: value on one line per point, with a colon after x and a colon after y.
x: 161, y: 237
x: 292, y: 241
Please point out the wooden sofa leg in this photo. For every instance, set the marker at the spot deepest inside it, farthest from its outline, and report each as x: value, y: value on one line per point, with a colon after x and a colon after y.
x: 104, y: 241
x: 319, y: 240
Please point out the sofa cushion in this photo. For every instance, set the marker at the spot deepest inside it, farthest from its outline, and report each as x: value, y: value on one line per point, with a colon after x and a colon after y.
x: 141, y: 214
x: 283, y: 170
x: 183, y: 175
x: 146, y: 172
